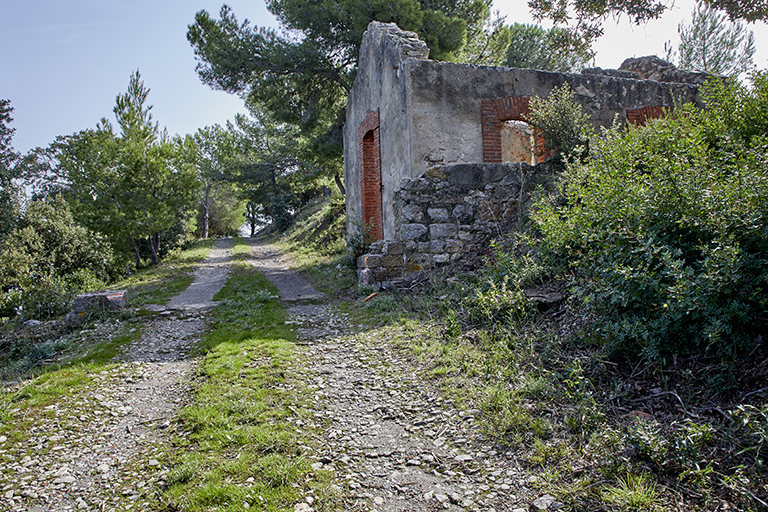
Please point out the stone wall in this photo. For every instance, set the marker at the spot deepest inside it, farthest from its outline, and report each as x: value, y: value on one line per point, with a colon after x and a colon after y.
x: 448, y: 215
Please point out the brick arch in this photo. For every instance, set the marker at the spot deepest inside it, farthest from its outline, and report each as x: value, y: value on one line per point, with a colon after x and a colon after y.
x: 369, y: 147
x: 640, y: 116
x: 494, y: 113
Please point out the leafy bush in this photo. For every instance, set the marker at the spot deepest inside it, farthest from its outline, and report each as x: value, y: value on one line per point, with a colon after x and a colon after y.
x: 280, y: 209
x: 47, y: 260
x: 510, y: 269
x: 562, y: 123
x: 666, y: 227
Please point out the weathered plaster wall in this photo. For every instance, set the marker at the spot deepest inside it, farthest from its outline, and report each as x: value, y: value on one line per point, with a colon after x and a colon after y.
x: 380, y: 85
x: 446, y: 101
x: 433, y: 113
x: 438, y: 121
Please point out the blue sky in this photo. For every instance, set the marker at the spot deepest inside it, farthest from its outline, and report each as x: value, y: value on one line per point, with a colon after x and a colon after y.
x: 62, y: 62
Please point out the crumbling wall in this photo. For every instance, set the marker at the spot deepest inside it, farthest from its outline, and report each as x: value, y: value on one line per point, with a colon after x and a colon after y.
x: 379, y: 93
x: 416, y: 128
x: 431, y: 113
x: 448, y: 215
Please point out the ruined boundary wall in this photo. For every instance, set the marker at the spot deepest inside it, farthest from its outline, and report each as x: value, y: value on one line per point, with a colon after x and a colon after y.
x: 448, y: 213
x: 406, y: 114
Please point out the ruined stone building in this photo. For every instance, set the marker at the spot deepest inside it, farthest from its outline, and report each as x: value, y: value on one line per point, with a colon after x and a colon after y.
x: 435, y: 153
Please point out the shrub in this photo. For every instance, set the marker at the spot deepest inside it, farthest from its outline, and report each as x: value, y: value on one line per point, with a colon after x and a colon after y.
x: 47, y: 260
x: 562, y: 123
x: 359, y: 241
x: 510, y: 268
x: 666, y: 227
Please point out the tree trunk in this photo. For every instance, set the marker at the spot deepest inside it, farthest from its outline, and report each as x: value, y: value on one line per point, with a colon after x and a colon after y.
x: 136, y: 252
x: 339, y: 184
x: 206, y: 210
x: 154, y: 248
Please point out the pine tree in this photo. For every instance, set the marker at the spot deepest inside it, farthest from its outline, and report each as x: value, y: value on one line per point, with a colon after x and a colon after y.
x: 713, y: 44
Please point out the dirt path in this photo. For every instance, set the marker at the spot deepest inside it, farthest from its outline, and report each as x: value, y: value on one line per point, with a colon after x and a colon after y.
x: 99, y: 450
x: 394, y: 443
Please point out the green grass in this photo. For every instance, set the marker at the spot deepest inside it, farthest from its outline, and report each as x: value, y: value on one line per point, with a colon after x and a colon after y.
x: 22, y: 408
x: 239, y: 446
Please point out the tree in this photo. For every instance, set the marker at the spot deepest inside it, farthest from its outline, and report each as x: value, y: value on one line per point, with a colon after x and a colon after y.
x: 132, y: 187
x: 304, y: 79
x: 266, y: 168
x: 215, y: 150
x: 532, y: 46
x: 584, y: 18
x: 47, y: 259
x: 711, y: 44
x: 486, y: 45
x: 9, y: 192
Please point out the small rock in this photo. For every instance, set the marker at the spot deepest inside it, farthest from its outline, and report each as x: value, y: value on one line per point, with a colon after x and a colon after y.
x: 302, y: 507
x: 545, y: 502
x: 66, y: 479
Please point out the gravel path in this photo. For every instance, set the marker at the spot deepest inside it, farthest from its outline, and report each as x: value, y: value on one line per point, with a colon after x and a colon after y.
x: 89, y: 446
x: 399, y: 445
x: 394, y: 443
x: 276, y: 266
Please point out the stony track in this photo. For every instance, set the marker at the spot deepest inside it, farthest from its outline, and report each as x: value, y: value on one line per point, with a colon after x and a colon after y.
x: 394, y: 443
x: 100, y: 450
x: 399, y: 445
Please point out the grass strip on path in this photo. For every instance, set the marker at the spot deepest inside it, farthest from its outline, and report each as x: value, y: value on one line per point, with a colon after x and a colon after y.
x: 240, y: 444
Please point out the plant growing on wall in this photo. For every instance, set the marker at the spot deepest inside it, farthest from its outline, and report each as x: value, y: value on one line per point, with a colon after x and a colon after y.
x: 561, y: 122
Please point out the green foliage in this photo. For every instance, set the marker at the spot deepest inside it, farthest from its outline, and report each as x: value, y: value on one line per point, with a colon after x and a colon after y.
x: 266, y: 169
x: 47, y: 260
x: 9, y: 193
x: 634, y: 492
x: 532, y: 46
x: 583, y: 19
x: 682, y: 451
x: 220, y: 210
x: 136, y: 189
x: 486, y: 45
x: 359, y: 241
x: 666, y: 230
x: 304, y: 79
x: 509, y: 270
x: 713, y: 45
x: 280, y: 210
x: 562, y: 123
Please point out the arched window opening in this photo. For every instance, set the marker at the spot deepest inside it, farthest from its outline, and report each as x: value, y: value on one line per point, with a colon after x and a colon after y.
x: 518, y: 140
